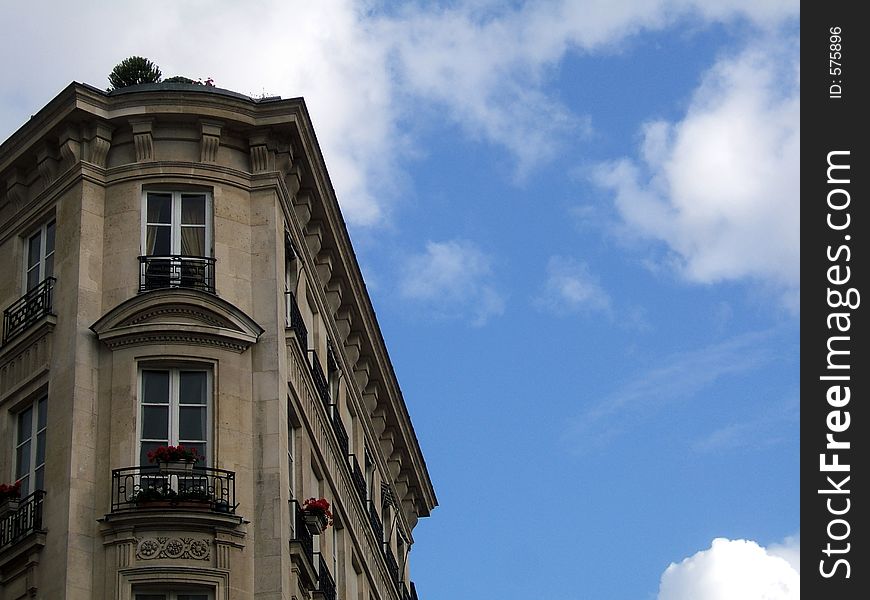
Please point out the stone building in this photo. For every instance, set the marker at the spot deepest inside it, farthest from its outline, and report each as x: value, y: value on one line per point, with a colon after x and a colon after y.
x: 176, y: 271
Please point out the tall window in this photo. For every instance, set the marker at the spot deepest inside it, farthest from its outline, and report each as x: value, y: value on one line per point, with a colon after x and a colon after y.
x: 175, y: 410
x: 30, y: 447
x: 40, y: 255
x: 176, y: 223
x: 176, y: 241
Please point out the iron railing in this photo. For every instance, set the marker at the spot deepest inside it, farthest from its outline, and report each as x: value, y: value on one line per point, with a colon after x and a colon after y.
x: 375, y: 522
x: 202, y: 488
x: 358, y: 478
x: 300, y: 532
x: 27, y: 519
x: 158, y: 272
x: 325, y: 582
x: 340, y: 431
x: 393, y: 566
x: 320, y: 382
x: 28, y: 309
x: 297, y: 323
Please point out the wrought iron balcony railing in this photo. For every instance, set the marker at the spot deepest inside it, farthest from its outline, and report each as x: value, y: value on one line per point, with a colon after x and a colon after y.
x: 23, y: 521
x: 158, y: 272
x: 375, y: 521
x: 393, y: 566
x: 297, y: 323
x: 301, y: 533
x: 325, y: 582
x: 340, y: 431
x: 202, y: 488
x: 358, y: 478
x: 28, y: 309
x: 320, y: 380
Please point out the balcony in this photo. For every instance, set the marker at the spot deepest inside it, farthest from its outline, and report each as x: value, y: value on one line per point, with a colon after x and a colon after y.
x: 297, y: 323
x: 160, y: 272
x: 147, y: 487
x: 28, y: 309
x: 320, y: 380
x: 302, y: 548
x: 340, y: 431
x: 325, y: 582
x: 358, y: 479
x: 393, y: 567
x: 375, y: 522
x: 18, y: 524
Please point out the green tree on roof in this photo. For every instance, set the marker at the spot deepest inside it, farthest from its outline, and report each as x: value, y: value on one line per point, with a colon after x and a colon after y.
x: 133, y: 71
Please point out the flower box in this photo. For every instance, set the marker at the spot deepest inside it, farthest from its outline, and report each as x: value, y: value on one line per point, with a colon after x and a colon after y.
x: 180, y: 467
x: 316, y: 516
x: 315, y: 522
x: 9, y: 505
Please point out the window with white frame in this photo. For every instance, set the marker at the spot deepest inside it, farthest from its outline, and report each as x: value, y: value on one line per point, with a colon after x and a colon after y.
x: 40, y: 255
x: 30, y: 446
x: 177, y: 240
x: 177, y: 223
x: 175, y: 409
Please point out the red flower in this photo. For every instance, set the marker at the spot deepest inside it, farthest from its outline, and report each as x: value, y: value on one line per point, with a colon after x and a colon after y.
x: 10, y: 490
x: 318, y: 505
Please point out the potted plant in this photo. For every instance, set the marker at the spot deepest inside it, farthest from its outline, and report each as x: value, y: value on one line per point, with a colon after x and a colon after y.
x: 9, y: 496
x: 316, y: 515
x: 174, y: 459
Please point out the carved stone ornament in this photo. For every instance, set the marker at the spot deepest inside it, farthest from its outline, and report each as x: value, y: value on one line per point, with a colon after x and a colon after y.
x: 186, y: 548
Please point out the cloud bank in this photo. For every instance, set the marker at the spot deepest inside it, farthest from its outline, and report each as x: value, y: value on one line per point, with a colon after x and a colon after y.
x: 732, y: 569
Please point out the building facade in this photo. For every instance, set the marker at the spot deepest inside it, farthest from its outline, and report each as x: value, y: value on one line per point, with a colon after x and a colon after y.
x: 176, y: 271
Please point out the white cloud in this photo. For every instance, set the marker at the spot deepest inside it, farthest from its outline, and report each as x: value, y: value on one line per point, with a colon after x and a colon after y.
x: 452, y: 279
x: 721, y: 187
x: 361, y: 70
x: 734, y: 569
x: 570, y: 287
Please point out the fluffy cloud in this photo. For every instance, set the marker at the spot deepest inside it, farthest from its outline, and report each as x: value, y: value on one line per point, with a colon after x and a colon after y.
x: 452, y: 279
x: 732, y: 569
x: 721, y: 187
x: 361, y: 68
x: 570, y: 287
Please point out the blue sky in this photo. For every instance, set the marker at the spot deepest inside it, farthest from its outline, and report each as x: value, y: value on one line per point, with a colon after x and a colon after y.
x: 578, y: 223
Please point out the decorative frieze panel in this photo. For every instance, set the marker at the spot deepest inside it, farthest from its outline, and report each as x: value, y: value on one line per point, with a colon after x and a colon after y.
x: 186, y: 548
x: 26, y: 361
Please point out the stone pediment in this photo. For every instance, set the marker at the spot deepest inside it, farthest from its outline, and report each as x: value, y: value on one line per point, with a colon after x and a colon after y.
x: 177, y: 316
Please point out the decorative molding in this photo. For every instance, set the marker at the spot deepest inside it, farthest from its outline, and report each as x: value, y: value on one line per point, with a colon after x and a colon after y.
x: 302, y: 207
x: 177, y: 316
x: 210, y: 140
x: 143, y: 138
x: 99, y: 143
x: 26, y: 358
x: 47, y: 162
x: 262, y: 155
x: 184, y: 548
